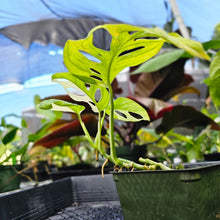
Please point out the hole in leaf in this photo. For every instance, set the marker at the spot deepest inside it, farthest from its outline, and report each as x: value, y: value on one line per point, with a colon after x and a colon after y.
x: 130, y: 51
x: 135, y: 115
x: 92, y: 103
x: 95, y: 71
x: 75, y: 91
x: 96, y: 77
x: 121, y: 114
x: 89, y: 56
x: 132, y: 32
x: 102, y: 39
x: 98, y: 95
x: 87, y: 86
x: 146, y: 38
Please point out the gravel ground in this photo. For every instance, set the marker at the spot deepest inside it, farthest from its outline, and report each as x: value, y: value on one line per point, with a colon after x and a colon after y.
x: 90, y: 211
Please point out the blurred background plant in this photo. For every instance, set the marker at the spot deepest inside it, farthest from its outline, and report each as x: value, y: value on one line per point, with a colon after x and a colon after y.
x: 195, y: 140
x: 60, y: 138
x: 13, y: 142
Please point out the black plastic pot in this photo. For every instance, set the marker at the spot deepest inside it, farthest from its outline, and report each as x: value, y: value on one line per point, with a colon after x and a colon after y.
x: 75, y: 170
x: 191, y: 193
x: 42, y: 173
x: 9, y: 178
x: 212, y: 157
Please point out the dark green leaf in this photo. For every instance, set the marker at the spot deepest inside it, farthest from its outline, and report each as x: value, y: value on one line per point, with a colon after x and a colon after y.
x: 212, y: 44
x: 9, y: 136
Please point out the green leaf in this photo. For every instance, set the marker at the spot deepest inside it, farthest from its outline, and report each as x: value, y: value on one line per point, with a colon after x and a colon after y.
x: 212, y: 44
x: 3, y: 122
x: 59, y: 105
x: 214, y: 88
x: 214, y: 79
x: 160, y: 61
x: 182, y: 138
x: 2, y: 150
x: 73, y: 84
x: 23, y: 123
x: 124, y: 110
x: 215, y: 65
x: 9, y: 136
x: 92, y: 69
x: 126, y: 50
x: 192, y: 47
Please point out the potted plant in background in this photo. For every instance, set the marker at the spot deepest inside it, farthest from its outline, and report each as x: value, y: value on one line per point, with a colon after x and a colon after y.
x: 13, y: 153
x: 93, y: 76
x: 18, y: 162
x: 203, y: 141
x: 64, y: 145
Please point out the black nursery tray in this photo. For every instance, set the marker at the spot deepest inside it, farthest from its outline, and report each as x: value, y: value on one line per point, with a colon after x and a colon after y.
x: 43, y: 201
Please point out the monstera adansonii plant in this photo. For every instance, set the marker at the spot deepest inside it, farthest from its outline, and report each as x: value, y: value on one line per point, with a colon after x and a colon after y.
x: 92, y: 71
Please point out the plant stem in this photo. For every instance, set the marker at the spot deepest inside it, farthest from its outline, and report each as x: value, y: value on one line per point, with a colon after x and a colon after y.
x: 111, y: 127
x: 86, y: 132
x: 99, y: 135
x: 151, y: 162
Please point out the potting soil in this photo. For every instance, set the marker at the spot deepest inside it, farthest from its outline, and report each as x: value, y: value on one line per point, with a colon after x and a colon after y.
x: 90, y: 211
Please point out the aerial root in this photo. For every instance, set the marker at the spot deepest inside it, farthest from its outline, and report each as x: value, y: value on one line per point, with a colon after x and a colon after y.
x: 103, y: 166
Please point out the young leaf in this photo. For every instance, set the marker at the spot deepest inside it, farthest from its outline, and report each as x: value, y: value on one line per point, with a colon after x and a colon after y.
x: 124, y: 110
x: 89, y: 93
x: 59, y: 105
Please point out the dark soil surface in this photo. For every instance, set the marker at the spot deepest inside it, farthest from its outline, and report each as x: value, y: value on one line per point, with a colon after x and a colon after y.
x: 90, y: 211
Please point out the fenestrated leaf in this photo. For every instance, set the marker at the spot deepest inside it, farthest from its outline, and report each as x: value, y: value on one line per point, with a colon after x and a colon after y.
x: 129, y: 47
x: 134, y: 53
x: 124, y: 110
x: 67, y: 98
x: 88, y: 94
x: 92, y: 68
x: 59, y: 105
x: 192, y: 47
x: 126, y: 50
x: 184, y: 116
x: 155, y: 106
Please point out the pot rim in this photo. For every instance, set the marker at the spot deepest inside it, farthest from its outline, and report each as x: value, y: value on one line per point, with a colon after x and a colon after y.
x: 187, y: 167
